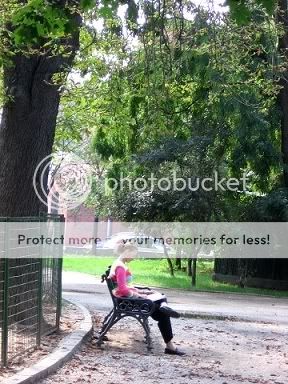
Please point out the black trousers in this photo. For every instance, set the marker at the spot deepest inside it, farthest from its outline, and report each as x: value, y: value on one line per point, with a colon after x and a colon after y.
x: 164, y: 322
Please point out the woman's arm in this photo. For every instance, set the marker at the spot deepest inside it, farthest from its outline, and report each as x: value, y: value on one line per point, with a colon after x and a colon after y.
x: 122, y: 288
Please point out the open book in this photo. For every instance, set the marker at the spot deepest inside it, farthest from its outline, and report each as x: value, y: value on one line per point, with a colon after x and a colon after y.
x: 155, y: 296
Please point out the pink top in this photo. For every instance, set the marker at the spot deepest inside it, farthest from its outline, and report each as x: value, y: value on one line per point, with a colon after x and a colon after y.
x: 120, y: 274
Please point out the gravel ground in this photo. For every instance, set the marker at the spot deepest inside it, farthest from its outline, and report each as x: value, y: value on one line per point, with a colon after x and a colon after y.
x: 218, y: 352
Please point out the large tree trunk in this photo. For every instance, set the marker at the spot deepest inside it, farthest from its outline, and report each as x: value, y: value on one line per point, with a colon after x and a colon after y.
x: 27, y: 132
x: 283, y: 95
x: 28, y: 124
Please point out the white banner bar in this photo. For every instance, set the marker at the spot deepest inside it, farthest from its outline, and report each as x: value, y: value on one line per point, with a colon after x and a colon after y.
x: 154, y: 240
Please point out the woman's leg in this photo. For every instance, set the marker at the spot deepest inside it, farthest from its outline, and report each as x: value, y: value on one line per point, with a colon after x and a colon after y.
x: 164, y: 325
x: 162, y: 305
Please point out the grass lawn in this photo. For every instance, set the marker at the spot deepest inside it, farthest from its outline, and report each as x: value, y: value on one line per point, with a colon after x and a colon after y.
x: 155, y: 273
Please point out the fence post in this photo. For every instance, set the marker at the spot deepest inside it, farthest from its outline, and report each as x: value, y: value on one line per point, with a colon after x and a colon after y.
x: 4, y: 349
x: 40, y: 289
x: 59, y: 285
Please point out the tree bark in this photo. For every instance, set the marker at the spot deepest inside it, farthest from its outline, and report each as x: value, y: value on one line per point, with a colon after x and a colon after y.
x: 169, y: 261
x: 178, y: 260
x: 283, y: 95
x: 189, y: 267
x: 194, y: 273
x: 28, y: 123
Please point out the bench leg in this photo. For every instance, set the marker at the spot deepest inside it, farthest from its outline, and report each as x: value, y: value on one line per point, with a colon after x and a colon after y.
x: 145, y: 324
x: 104, y: 324
x: 108, y: 322
x: 112, y: 318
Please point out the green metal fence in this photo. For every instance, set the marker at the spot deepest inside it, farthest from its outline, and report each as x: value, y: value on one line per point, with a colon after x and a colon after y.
x: 30, y: 291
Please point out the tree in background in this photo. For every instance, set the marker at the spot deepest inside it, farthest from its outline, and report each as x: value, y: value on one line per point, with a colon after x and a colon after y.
x: 208, y: 86
x: 204, y: 84
x: 273, y: 206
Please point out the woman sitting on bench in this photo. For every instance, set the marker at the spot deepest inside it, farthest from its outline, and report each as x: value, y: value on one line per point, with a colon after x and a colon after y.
x: 121, y: 275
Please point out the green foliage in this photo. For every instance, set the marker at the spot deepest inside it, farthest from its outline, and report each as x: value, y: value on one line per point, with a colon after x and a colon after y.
x: 241, y: 10
x: 269, y: 5
x: 35, y: 26
x: 87, y: 4
x: 132, y: 15
x: 272, y: 207
x: 38, y: 21
x: 191, y: 96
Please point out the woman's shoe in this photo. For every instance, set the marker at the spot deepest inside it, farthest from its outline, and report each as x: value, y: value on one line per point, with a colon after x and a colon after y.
x: 169, y: 311
x: 174, y: 352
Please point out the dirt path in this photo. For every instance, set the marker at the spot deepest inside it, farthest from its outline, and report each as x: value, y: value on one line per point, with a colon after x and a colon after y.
x: 218, y: 352
x: 70, y: 319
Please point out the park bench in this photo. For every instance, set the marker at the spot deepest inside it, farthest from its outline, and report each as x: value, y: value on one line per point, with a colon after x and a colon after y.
x: 138, y: 308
